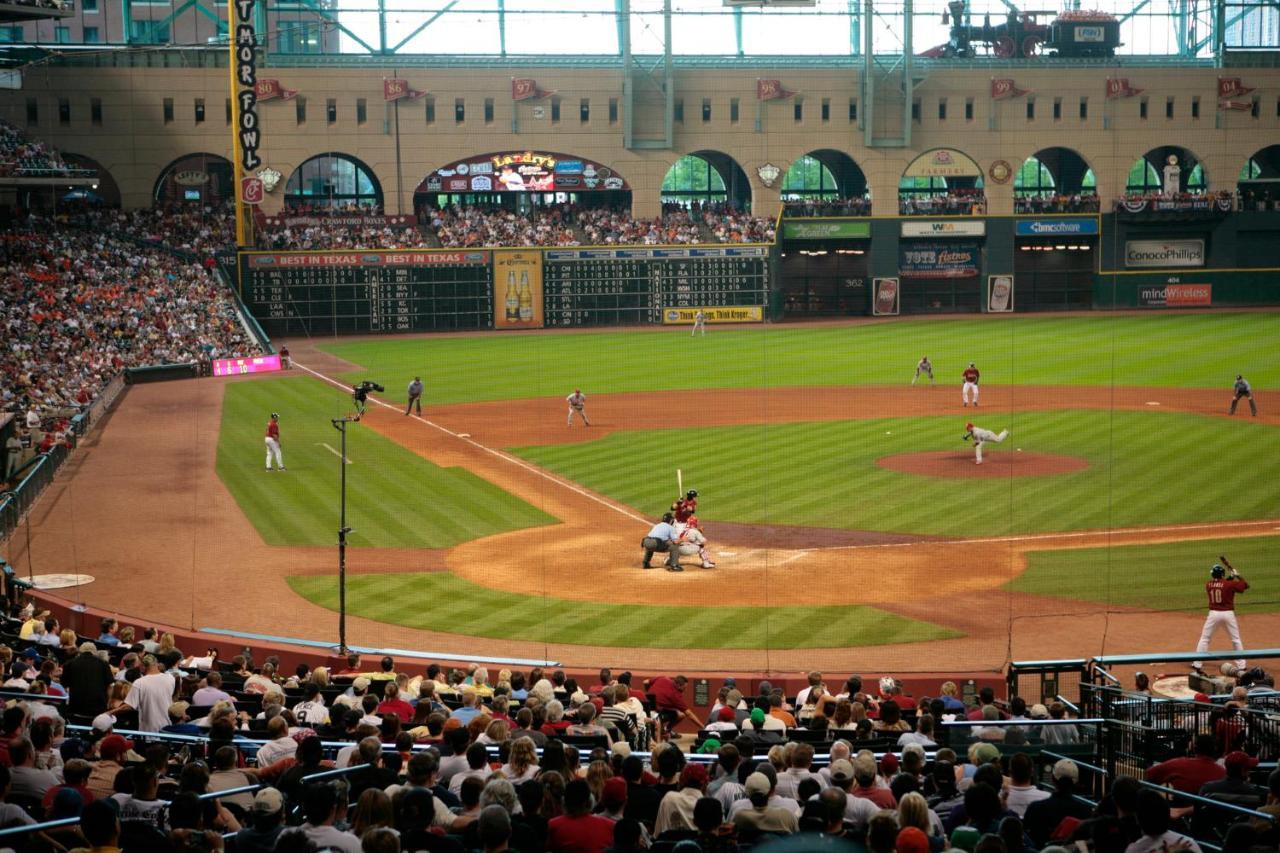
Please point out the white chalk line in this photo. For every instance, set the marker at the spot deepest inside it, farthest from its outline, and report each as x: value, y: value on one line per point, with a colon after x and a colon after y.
x: 506, y: 457
x: 334, y: 452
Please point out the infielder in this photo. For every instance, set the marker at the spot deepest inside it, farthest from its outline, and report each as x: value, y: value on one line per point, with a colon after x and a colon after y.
x: 980, y: 437
x: 1242, y: 389
x: 661, y: 538
x: 699, y: 322
x: 577, y: 405
x: 970, y: 386
x: 1222, y: 601
x: 926, y: 367
x: 415, y: 395
x: 273, y: 442
x: 691, y: 542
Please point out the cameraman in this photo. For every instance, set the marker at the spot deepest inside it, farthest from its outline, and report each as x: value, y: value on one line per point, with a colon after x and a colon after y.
x: 360, y: 393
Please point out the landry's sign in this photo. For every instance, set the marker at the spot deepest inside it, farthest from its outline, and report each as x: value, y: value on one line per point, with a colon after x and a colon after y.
x: 944, y: 163
x: 523, y: 171
x: 1164, y: 253
x: 1176, y: 296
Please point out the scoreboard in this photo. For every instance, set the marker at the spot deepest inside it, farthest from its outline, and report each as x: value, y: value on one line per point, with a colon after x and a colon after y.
x: 326, y: 293
x: 627, y: 286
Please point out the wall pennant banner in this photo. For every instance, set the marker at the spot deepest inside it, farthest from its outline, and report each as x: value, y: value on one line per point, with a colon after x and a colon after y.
x: 771, y: 90
x: 393, y: 89
x: 1004, y: 87
x: 1118, y: 87
x: 270, y: 90
x: 526, y: 89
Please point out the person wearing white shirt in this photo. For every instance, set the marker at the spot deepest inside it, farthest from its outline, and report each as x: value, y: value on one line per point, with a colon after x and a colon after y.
x: 477, y: 767
x: 321, y: 805
x: 280, y: 745
x: 311, y: 711
x: 815, y: 683
x: 857, y: 810
x: 1153, y: 819
x: 789, y: 780
x: 151, y: 696
x: 676, y: 809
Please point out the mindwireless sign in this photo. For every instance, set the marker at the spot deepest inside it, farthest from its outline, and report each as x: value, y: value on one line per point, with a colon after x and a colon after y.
x: 1164, y: 253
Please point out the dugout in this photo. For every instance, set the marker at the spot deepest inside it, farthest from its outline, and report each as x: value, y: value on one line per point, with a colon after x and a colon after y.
x: 825, y: 267
x: 1054, y: 262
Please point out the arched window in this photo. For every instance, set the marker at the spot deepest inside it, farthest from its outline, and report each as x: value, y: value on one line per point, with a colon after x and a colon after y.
x: 808, y: 177
x: 333, y: 181
x: 1089, y: 181
x: 1033, y: 180
x: 1143, y: 178
x: 693, y: 178
x: 1250, y: 171
x: 925, y: 186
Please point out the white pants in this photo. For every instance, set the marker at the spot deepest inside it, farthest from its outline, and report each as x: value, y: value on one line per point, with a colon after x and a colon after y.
x: 699, y: 324
x: 273, y: 446
x: 969, y: 387
x: 921, y: 370
x: 1226, y: 619
x: 582, y: 413
x: 982, y: 436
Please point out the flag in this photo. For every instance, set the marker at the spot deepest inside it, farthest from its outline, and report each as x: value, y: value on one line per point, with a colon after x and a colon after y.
x: 526, y: 89
x: 1229, y: 104
x: 1232, y: 87
x: 1118, y: 87
x: 267, y: 90
x: 393, y: 89
x: 1004, y: 87
x: 770, y: 90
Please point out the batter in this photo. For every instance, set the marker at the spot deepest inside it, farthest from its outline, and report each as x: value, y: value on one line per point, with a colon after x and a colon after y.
x: 981, y: 436
x: 1222, y: 593
x: 273, y: 442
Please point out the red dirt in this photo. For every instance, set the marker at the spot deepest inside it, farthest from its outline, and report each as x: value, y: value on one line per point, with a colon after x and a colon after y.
x: 959, y: 464
x: 792, y: 536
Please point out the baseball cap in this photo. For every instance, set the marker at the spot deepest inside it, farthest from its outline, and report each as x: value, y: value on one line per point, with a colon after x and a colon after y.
x: 709, y: 746
x: 1039, y: 712
x: 841, y: 770
x: 621, y: 748
x: 968, y: 425
x: 1066, y: 769
x: 361, y: 683
x: 912, y: 840
x: 103, y: 722
x: 889, y: 763
x: 887, y: 684
x: 615, y: 792
x: 985, y: 753
x: 113, y: 746
x: 1240, y: 760
x: 1202, y: 697
x: 726, y: 714
x: 268, y: 801
x: 757, y: 716
x: 693, y: 775
x: 758, y: 783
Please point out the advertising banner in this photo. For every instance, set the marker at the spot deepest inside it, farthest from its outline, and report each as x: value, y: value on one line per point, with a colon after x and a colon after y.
x: 517, y: 289
x: 1000, y: 294
x: 886, y: 297
x: 1176, y: 296
x: 825, y: 229
x: 943, y: 162
x: 1163, y: 253
x: 426, y: 258
x: 939, y: 260
x: 944, y: 228
x: 238, y: 366
x: 523, y: 171
x: 1056, y: 227
x: 735, y: 314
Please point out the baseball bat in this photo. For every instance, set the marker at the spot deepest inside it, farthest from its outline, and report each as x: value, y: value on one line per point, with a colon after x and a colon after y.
x: 679, y: 483
x: 1222, y: 558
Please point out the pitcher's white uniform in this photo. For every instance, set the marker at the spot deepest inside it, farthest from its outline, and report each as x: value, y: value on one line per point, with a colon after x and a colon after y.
x: 982, y: 436
x: 577, y: 404
x: 273, y: 442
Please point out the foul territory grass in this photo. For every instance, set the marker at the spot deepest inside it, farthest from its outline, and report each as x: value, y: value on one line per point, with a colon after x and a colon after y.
x: 1145, y: 469
x: 1198, y: 350
x: 431, y: 600
x: 1165, y: 576
x: 395, y: 498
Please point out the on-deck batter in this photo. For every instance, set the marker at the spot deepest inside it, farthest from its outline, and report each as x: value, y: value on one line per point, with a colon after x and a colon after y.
x: 981, y: 436
x: 970, y: 386
x: 1222, y: 609
x: 273, y: 442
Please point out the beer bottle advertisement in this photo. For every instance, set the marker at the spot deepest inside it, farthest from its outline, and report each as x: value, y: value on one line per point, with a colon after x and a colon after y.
x: 517, y: 278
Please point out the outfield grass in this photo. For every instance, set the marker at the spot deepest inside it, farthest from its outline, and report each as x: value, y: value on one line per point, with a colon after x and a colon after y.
x: 1198, y: 350
x: 1168, y: 576
x: 441, y: 601
x: 1146, y: 468
x: 395, y: 498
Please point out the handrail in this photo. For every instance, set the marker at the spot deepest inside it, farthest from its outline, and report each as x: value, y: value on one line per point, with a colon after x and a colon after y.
x: 39, y: 827
x: 1208, y: 801
x: 1057, y: 756
x: 231, y: 792
x: 997, y: 723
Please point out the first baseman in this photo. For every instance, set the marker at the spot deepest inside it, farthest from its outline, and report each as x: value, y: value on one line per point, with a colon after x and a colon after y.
x: 273, y: 442
x: 1242, y: 389
x: 970, y: 386
x: 1222, y: 602
x: 981, y: 436
x: 699, y: 322
x: 926, y: 367
x: 577, y: 405
x: 415, y: 395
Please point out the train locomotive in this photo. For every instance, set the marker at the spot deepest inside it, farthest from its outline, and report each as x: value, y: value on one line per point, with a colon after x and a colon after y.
x: 1073, y: 33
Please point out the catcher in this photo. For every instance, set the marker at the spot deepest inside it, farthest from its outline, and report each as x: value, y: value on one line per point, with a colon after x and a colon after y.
x: 1222, y: 593
x: 691, y: 541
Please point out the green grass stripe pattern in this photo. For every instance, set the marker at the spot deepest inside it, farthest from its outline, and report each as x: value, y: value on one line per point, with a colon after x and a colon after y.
x: 441, y: 601
x: 1164, y: 576
x: 395, y: 498
x: 1177, y: 350
x: 1147, y: 468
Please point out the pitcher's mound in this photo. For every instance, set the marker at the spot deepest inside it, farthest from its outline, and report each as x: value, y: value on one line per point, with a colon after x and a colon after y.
x: 998, y: 463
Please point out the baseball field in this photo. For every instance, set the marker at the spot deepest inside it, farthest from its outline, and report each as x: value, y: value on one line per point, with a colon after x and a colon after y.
x: 848, y: 520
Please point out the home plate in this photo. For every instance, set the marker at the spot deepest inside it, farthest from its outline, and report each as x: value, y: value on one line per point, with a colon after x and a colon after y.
x: 1152, y: 403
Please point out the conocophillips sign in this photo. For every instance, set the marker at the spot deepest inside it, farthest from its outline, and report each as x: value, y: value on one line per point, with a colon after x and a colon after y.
x: 1164, y: 253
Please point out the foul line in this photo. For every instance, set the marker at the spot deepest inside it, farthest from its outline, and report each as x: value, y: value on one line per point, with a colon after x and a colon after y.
x: 505, y: 457
x: 334, y: 452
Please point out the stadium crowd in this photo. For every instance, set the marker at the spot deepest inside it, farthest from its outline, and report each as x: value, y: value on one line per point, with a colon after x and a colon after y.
x: 20, y: 156
x: 1051, y: 203
x: 811, y: 206
x: 373, y: 758
x: 333, y: 235
x: 960, y: 202
x: 462, y: 226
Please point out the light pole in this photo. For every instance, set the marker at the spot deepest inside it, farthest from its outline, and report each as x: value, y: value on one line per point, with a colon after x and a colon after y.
x: 340, y: 424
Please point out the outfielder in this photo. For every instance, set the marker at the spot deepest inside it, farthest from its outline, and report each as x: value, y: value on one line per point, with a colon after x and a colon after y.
x: 970, y: 386
x: 1242, y: 389
x: 1222, y: 602
x: 981, y: 436
x: 415, y: 395
x: 691, y: 541
x: 926, y: 367
x: 273, y: 442
x: 699, y: 322
x: 577, y: 405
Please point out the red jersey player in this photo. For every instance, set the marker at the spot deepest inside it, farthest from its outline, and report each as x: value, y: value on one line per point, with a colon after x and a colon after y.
x: 686, y: 506
x: 971, y: 375
x: 273, y: 442
x: 1222, y: 602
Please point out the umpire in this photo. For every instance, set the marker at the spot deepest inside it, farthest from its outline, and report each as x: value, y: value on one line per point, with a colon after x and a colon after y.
x: 415, y: 395
x: 1242, y: 389
x: 662, y: 538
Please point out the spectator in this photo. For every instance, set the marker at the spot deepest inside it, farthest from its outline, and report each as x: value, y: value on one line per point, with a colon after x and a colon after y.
x: 1021, y: 790
x: 762, y: 816
x: 577, y: 830
x: 676, y: 809
x: 1191, y: 773
x: 1043, y: 817
x: 1153, y: 819
x: 668, y: 697
x: 320, y: 805
x: 25, y: 779
x: 87, y: 679
x: 1235, y: 787
x: 151, y: 696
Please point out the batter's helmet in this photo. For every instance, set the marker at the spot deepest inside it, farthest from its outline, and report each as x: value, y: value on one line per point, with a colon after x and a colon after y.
x: 692, y: 493
x: 275, y: 417
x: 1217, y: 571
x: 1239, y: 376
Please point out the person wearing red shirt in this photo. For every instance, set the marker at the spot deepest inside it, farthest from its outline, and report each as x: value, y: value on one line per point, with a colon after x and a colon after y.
x: 686, y: 506
x: 273, y: 442
x: 668, y: 698
x: 577, y: 830
x: 393, y: 704
x: 970, y: 387
x: 1222, y: 609
x: 1190, y: 774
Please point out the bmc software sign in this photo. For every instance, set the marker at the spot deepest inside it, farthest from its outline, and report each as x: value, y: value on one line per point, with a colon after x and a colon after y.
x: 945, y: 228
x: 1164, y: 253
x: 1053, y: 227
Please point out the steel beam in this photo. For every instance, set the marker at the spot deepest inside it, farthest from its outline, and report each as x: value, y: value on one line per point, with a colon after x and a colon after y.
x: 428, y: 22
